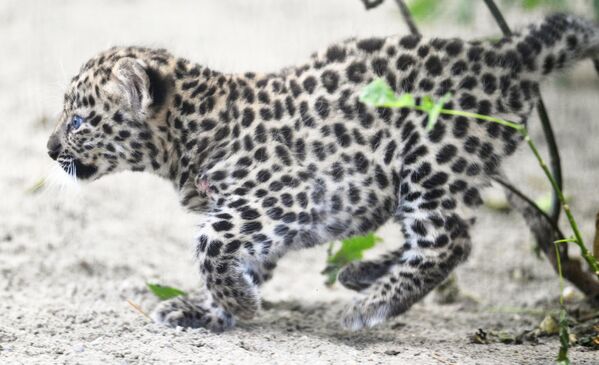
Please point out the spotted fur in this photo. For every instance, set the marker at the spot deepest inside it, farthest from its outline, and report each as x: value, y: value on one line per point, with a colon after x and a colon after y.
x: 283, y: 161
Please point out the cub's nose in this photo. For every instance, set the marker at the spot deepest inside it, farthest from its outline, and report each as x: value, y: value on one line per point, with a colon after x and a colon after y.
x: 54, y: 147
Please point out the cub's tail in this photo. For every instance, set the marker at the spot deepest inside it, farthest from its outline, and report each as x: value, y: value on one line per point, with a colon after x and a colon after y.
x: 557, y: 42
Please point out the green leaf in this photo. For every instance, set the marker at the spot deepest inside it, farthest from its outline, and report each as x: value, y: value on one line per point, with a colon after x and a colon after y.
x: 465, y: 12
x: 424, y: 9
x: 427, y: 103
x: 379, y: 94
x: 531, y: 4
x: 435, y: 111
x: 351, y: 249
x: 165, y: 292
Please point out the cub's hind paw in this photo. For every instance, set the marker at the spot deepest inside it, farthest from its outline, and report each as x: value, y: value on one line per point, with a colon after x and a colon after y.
x: 186, y: 312
x: 365, y: 314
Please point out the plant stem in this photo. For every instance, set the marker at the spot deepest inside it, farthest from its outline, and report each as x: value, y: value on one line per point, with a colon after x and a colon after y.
x: 596, y: 240
x: 590, y: 259
x: 561, y: 276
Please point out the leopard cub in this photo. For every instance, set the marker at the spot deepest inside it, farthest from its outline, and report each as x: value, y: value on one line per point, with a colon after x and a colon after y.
x: 288, y: 160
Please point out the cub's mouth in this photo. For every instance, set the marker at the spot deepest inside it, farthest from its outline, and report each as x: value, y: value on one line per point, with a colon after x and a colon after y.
x: 83, y: 171
x: 76, y: 168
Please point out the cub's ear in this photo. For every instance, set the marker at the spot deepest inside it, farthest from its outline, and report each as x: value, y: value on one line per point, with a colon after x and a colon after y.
x: 143, y: 87
x: 133, y: 83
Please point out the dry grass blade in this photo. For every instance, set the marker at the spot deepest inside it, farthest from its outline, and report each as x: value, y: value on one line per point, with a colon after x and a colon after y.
x: 138, y: 308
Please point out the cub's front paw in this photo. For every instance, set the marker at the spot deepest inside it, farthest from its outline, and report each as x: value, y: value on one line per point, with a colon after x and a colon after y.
x: 193, y: 313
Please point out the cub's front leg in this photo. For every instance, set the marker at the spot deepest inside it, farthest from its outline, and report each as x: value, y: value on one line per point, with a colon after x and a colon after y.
x: 233, y: 253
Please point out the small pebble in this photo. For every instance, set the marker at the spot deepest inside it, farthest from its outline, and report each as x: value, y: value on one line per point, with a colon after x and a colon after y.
x: 78, y: 348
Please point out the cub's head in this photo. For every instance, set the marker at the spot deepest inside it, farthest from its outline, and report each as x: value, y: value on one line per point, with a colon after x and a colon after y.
x: 113, y: 110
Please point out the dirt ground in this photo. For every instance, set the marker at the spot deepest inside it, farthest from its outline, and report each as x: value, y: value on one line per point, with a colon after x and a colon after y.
x: 70, y: 260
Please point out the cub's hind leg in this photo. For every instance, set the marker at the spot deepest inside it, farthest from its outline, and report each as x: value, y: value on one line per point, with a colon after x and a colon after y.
x: 437, y: 240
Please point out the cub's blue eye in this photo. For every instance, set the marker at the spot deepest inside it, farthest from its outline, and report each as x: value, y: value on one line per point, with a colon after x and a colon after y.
x: 76, y: 122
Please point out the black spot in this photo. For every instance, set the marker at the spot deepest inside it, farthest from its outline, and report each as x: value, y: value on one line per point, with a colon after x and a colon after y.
x: 458, y: 68
x: 322, y: 107
x: 436, y: 180
x: 446, y: 153
x: 471, y: 144
x: 381, y: 178
x: 390, y: 151
x: 251, y: 227
x: 117, y: 117
x: 409, y: 41
x: 355, y: 71
x: 467, y: 101
x: 433, y: 66
x: 475, y: 53
x: 404, y: 62
x: 214, y: 248
x: 426, y: 85
x: 371, y: 44
x: 421, y: 172
x: 459, y: 166
x: 360, y: 162
x: 460, y: 127
x: 423, y: 51
x: 379, y: 66
x: 472, y: 197
x: 232, y: 246
x: 222, y: 226
x: 489, y: 83
x: 261, y: 154
x: 473, y: 170
x: 107, y: 129
x: 335, y: 54
x: 468, y: 82
x: 248, y: 117
x: 95, y: 120
x: 309, y: 84
x: 454, y: 47
x: 187, y: 108
x: 330, y: 80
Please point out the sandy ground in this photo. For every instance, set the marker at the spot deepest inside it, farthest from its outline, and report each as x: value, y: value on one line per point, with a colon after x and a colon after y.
x: 69, y: 260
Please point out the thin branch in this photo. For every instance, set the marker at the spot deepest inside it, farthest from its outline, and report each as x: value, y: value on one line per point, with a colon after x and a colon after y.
x: 407, y: 17
x: 505, y: 28
x: 532, y: 204
x: 370, y: 4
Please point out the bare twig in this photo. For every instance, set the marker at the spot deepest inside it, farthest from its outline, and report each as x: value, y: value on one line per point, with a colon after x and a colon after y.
x: 370, y: 4
x: 554, y: 157
x: 407, y: 17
